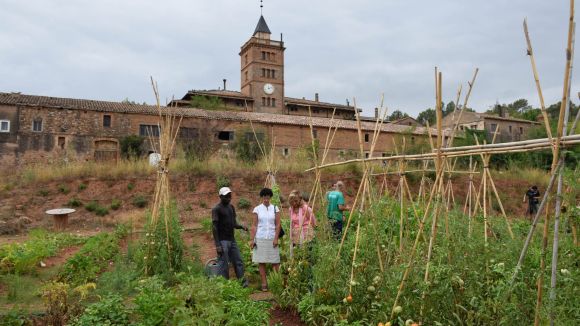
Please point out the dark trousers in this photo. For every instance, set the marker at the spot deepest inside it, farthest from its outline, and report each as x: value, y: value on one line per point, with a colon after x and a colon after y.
x: 336, y: 228
x: 230, y: 253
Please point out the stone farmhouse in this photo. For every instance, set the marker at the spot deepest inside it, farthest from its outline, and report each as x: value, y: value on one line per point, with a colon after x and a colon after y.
x: 509, y: 129
x: 41, y: 129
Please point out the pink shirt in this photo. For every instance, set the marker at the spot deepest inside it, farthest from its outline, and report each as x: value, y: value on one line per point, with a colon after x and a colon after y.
x: 304, y: 216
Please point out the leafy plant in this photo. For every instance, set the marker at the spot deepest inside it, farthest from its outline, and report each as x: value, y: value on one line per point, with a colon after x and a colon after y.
x: 116, y: 204
x: 139, y: 201
x: 108, y: 311
x: 82, y: 186
x: 132, y: 146
x: 43, y: 192
x: 222, y: 181
x: 155, y: 302
x: 74, y: 202
x: 63, y: 189
x: 244, y: 203
x: 130, y: 186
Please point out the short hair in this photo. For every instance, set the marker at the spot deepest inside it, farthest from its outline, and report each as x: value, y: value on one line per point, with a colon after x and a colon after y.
x: 266, y: 192
x: 535, y: 187
x: 294, y: 198
x: 339, y: 184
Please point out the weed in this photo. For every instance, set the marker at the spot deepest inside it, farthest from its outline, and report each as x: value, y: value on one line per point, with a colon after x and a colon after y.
x: 82, y: 186
x: 244, y: 203
x: 222, y: 181
x: 101, y: 210
x: 116, y: 204
x: 63, y: 189
x: 74, y: 202
x: 202, y: 204
x: 110, y: 310
x: 140, y: 201
x: 207, y: 225
x: 43, y: 192
x: 130, y: 186
x: 91, y: 206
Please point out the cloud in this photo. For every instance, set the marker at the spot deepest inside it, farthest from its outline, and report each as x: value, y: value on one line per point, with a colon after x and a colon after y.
x: 340, y: 49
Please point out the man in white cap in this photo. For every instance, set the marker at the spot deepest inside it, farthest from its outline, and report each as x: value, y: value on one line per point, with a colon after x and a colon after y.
x: 223, y: 216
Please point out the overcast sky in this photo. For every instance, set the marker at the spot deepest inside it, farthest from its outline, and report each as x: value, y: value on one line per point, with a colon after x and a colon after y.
x: 107, y: 49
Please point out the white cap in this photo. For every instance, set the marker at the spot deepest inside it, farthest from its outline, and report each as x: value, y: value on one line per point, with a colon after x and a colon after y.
x: 224, y: 191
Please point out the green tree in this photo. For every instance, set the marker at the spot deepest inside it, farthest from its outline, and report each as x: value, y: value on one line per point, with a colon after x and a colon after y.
x: 132, y: 146
x: 428, y: 115
x: 206, y: 102
x: 396, y: 115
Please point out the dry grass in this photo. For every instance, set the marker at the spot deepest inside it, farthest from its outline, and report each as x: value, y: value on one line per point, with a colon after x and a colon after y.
x: 533, y: 176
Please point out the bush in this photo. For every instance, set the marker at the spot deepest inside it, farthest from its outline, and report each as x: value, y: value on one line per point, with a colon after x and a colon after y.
x: 101, y: 211
x: 116, y: 204
x: 63, y: 189
x: 244, y: 203
x: 108, y: 311
x: 132, y: 146
x: 74, y: 202
x: 43, y: 192
x: 82, y: 186
x: 140, y: 201
x: 222, y: 181
x: 130, y: 186
x: 155, y: 302
x: 91, y: 206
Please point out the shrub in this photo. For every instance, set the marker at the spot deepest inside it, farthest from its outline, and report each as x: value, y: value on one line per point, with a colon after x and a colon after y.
x: 108, y: 311
x: 63, y: 189
x: 43, y: 192
x: 74, y: 202
x: 140, y: 201
x: 101, y: 210
x: 132, y: 146
x: 244, y: 203
x: 115, y: 204
x: 82, y: 186
x: 130, y: 186
x: 154, y: 302
x: 222, y: 181
x: 91, y: 206
x: 202, y: 204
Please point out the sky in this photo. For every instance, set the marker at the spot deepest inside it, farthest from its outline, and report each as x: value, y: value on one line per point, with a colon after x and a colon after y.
x: 108, y: 49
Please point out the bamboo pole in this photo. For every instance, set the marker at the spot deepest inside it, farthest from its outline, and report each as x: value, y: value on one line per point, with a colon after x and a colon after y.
x: 540, y: 281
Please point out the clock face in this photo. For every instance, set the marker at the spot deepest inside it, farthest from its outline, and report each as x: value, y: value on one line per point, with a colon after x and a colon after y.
x: 268, y: 89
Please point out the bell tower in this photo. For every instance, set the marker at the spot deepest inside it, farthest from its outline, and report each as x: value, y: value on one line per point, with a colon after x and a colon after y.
x: 262, y: 70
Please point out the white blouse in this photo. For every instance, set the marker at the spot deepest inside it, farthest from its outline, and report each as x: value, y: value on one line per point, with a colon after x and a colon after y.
x: 266, y: 221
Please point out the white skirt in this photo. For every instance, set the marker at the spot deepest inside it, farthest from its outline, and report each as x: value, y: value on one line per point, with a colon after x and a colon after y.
x: 264, y: 252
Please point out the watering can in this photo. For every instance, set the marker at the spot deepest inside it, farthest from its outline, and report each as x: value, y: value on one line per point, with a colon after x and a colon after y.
x: 212, y: 268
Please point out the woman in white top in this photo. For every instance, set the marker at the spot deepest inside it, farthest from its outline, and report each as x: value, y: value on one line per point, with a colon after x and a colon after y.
x: 264, y: 235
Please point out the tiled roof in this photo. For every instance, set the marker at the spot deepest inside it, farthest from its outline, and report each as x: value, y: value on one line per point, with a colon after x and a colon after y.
x: 218, y: 92
x: 491, y: 116
x: 118, y: 107
x: 291, y: 100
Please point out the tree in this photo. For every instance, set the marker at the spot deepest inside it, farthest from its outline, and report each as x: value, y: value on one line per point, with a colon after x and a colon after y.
x: 396, y: 115
x: 449, y: 108
x: 428, y: 115
x: 206, y: 102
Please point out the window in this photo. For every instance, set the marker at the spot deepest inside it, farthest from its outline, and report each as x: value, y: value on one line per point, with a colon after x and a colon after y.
x: 149, y: 130
x: 263, y: 72
x: 367, y: 138
x: 61, y: 142
x: 273, y: 102
x: 293, y: 108
x: 473, y: 126
x: 412, y: 139
x: 268, y: 55
x: 384, y: 154
x: 493, y: 127
x: 225, y: 135
x: 246, y: 59
x: 263, y: 101
x: 367, y: 155
x: 286, y: 152
x: 521, y: 130
x: 246, y: 74
x: 315, y: 133
x: 510, y: 127
x: 273, y: 74
x: 263, y: 55
x: 4, y: 125
x: 188, y: 133
x: 268, y: 101
x: 107, y: 121
x: 37, y: 125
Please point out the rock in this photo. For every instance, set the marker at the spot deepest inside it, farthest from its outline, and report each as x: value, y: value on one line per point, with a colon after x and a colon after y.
x: 24, y: 220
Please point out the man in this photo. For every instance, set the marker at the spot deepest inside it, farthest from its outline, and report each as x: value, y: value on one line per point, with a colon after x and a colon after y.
x: 533, y: 196
x: 223, y: 216
x: 336, y: 208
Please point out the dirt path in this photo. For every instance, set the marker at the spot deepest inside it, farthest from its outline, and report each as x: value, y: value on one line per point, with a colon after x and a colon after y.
x: 279, y: 316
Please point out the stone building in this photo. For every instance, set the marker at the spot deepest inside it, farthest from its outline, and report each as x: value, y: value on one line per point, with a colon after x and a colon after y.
x: 509, y: 129
x: 40, y: 129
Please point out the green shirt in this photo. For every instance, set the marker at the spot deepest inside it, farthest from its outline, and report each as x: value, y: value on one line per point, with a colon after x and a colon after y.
x: 334, y: 198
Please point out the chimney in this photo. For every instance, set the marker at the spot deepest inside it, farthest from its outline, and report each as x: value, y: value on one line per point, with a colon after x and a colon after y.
x: 225, y: 80
x: 316, y: 97
x: 376, y: 113
x: 347, y: 102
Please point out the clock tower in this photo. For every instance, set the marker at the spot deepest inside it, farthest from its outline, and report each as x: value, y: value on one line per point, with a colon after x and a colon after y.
x: 262, y: 70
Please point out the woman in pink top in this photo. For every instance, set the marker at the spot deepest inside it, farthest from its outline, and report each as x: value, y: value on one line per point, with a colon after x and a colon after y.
x: 302, y: 220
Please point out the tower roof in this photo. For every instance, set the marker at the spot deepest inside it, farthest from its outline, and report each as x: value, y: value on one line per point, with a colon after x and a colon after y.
x: 262, y: 27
